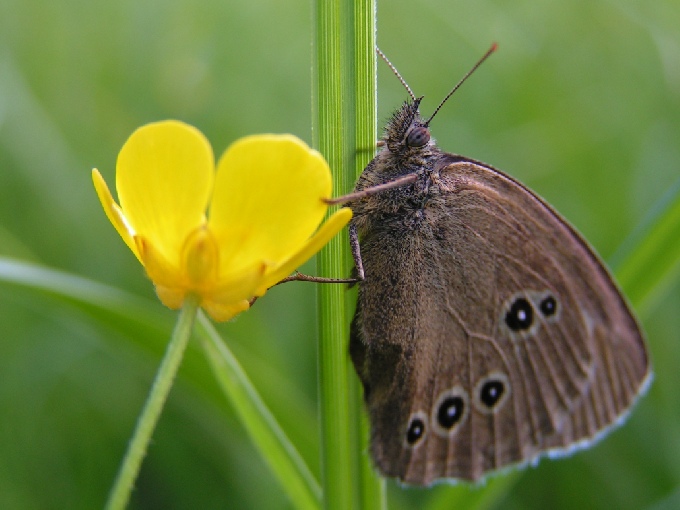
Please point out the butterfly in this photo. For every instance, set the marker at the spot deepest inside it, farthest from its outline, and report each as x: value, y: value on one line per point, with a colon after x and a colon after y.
x: 487, y: 331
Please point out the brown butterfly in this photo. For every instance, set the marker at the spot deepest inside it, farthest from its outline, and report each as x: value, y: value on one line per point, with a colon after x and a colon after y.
x: 487, y: 330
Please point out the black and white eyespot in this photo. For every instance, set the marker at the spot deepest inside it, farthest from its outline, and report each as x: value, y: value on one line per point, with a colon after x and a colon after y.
x: 491, y: 392
x: 548, y: 305
x: 418, y: 136
x: 450, y: 411
x: 524, y: 312
x: 416, y: 429
x: 520, y: 314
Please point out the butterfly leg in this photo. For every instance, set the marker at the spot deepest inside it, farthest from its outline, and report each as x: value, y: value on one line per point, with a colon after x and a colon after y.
x: 356, y: 251
x: 299, y: 277
x: 356, y: 255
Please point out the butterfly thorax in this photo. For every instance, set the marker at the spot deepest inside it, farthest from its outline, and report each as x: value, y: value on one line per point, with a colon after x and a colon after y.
x: 407, y: 149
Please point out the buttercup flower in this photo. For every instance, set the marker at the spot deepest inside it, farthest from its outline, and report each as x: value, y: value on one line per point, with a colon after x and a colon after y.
x: 264, y: 204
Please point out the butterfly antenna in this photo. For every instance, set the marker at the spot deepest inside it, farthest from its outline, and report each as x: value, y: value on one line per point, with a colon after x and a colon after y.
x: 394, y: 70
x: 493, y: 48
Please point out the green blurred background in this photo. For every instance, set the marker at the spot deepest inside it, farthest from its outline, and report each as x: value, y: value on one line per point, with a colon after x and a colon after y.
x: 581, y: 103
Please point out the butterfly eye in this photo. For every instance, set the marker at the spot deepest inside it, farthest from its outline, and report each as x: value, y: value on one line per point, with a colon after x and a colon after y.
x: 416, y: 429
x: 520, y: 316
x: 418, y: 136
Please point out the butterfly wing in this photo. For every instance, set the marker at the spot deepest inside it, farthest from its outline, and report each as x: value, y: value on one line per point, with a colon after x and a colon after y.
x: 487, y: 332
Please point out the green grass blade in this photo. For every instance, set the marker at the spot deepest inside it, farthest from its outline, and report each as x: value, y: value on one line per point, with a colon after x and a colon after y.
x: 649, y: 260
x: 263, y: 429
x: 344, y: 120
x: 82, y: 290
x: 330, y: 41
x: 372, y: 494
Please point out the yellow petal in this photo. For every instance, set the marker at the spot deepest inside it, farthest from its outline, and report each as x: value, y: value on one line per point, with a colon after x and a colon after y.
x: 220, y: 313
x: 158, y: 268
x: 327, y: 231
x: 113, y: 212
x: 171, y: 287
x: 173, y: 298
x: 267, y: 199
x: 241, y: 286
x: 164, y: 178
x: 232, y: 296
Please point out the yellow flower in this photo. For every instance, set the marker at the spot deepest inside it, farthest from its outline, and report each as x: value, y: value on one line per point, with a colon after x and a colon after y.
x: 264, y: 202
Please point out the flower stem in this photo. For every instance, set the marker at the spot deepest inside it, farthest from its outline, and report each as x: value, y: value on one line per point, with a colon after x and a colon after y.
x: 146, y: 423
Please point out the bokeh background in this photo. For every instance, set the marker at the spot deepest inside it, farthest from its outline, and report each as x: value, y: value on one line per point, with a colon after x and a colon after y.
x: 581, y: 103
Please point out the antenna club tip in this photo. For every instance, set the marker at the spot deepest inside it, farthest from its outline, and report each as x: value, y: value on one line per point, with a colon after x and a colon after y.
x: 494, y: 47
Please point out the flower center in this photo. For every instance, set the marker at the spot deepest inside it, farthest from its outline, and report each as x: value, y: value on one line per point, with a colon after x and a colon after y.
x: 200, y: 256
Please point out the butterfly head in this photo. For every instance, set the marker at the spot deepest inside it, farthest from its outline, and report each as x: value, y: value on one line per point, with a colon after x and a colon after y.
x: 406, y: 131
